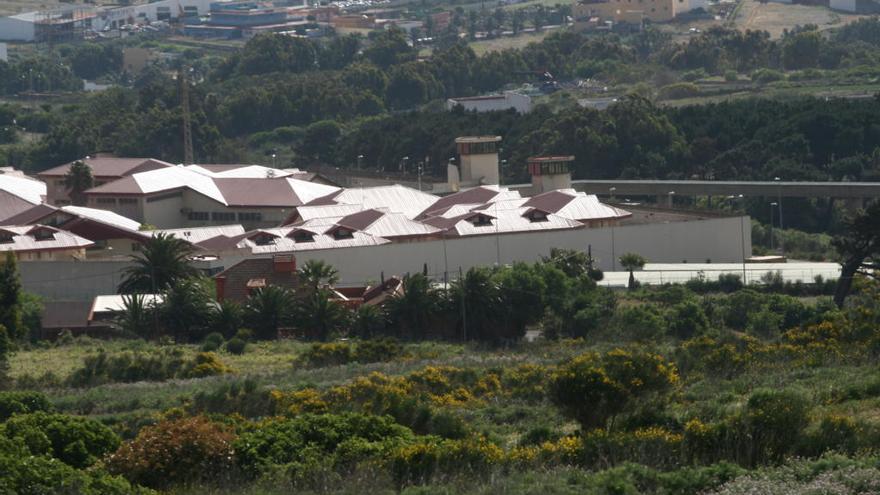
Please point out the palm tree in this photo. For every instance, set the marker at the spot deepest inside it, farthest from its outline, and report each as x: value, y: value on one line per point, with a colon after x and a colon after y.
x: 77, y: 180
x: 318, y: 315
x: 318, y: 273
x: 136, y: 317
x: 162, y: 262
x: 631, y: 262
x: 186, y: 310
x: 413, y: 310
x: 226, y: 318
x: 482, y: 316
x: 368, y: 321
x: 267, y: 310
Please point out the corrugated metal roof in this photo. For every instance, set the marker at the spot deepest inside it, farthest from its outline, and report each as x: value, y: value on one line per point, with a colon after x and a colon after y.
x: 23, y: 239
x: 239, y: 171
x: 307, y: 213
x: 395, y: 198
x: 13, y: 207
x: 284, y: 243
x: 31, y: 190
x: 103, y: 216
x: 110, y: 166
x: 195, y: 235
x: 507, y: 221
x: 116, y: 302
x: 224, y: 187
x: 575, y: 205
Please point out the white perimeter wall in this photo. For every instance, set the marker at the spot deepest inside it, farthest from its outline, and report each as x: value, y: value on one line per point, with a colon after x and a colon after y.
x: 695, y: 242
x: 717, y: 239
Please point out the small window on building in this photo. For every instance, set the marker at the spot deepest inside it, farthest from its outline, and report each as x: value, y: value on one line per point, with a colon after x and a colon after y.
x: 480, y: 221
x: 537, y: 216
x: 222, y: 216
x: 250, y: 217
x: 199, y: 216
x: 263, y: 240
x: 342, y: 233
x: 5, y: 238
x: 303, y: 236
x: 128, y: 201
x: 106, y: 201
x: 44, y: 235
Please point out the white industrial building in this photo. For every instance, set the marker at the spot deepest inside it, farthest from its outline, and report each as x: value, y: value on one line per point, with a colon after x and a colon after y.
x: 505, y: 101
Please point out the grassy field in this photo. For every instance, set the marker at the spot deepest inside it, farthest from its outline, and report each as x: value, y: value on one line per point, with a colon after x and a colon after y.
x: 775, y: 17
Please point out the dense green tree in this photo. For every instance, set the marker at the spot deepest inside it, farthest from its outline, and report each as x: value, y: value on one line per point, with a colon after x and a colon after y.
x: 858, y: 247
x: 77, y: 180
x: 137, y: 317
x: 267, y: 53
x: 11, y: 295
x: 390, y: 47
x: 631, y: 262
x: 162, y: 262
x: 226, y: 318
x: 317, y: 274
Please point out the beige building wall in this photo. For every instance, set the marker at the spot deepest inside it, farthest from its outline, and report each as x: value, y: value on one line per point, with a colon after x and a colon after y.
x: 53, y: 255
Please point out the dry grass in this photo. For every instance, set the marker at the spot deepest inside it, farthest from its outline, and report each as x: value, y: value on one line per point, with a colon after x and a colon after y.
x: 776, y: 17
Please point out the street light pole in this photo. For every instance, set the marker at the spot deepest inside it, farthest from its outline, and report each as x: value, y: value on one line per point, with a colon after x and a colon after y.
x: 771, y: 224
x: 779, y: 200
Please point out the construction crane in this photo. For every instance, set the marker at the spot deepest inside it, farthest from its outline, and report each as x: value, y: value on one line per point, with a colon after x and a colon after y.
x: 188, y: 158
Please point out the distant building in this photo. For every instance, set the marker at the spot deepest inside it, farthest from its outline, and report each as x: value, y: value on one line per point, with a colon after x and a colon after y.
x: 856, y: 6
x: 353, y: 21
x: 42, y: 243
x: 195, y: 196
x: 56, y: 25
x: 105, y: 168
x: 509, y: 99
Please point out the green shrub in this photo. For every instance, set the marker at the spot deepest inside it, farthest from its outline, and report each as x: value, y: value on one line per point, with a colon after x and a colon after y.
x: 731, y: 76
x: 677, y: 91
x: 419, y: 463
x: 176, y: 452
x: 206, y: 364
x: 236, y: 346
x: 76, y: 441
x: 319, y: 355
x: 377, y: 350
x: 641, y: 322
x: 594, y: 388
x: 156, y: 365
x: 213, y: 341
x: 234, y: 397
x: 773, y: 421
x: 23, y: 473
x: 22, y: 402
x: 336, y: 440
x: 765, y: 76
x: 687, y: 319
x: 694, y: 75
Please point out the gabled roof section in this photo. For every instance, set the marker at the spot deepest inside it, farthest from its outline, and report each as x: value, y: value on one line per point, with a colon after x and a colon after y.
x: 14, y: 209
x: 24, y: 238
x: 198, y: 235
x: 31, y: 190
x: 394, y: 198
x: 474, y: 196
x: 103, y: 216
x: 575, y: 205
x: 110, y: 166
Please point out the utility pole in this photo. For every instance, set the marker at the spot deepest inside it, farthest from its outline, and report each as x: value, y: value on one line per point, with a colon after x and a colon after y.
x: 188, y: 158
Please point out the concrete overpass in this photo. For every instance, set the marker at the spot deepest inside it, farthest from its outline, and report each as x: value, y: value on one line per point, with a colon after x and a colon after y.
x: 722, y: 188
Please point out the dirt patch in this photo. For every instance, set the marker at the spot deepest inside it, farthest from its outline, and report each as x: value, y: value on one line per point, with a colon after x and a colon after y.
x: 776, y: 17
